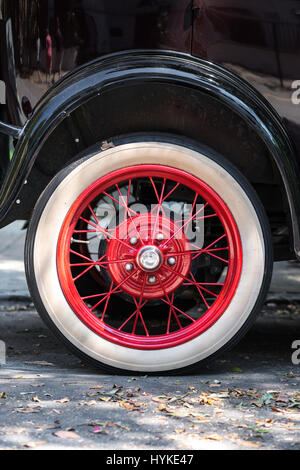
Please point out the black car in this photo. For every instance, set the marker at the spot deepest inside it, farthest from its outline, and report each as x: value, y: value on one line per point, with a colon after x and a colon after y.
x: 154, y: 148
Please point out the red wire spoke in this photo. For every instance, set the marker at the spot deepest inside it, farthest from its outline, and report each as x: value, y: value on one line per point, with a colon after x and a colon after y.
x: 118, y: 202
x: 106, y: 234
x: 96, y: 263
x: 89, y: 297
x: 160, y: 199
x: 142, y: 320
x: 138, y: 306
x: 131, y: 316
x: 79, y: 265
x: 170, y: 314
x: 107, y: 301
x: 128, y: 195
x: 173, y: 311
x: 139, y: 310
x: 184, y: 225
x: 199, y: 218
x: 216, y: 241
x: 94, y: 215
x: 217, y: 284
x: 81, y: 256
x: 83, y: 273
x: 166, y: 197
x: 192, y: 210
x: 194, y: 252
x: 85, y: 231
x: 186, y: 279
x: 211, y: 216
x: 129, y: 269
x: 200, y: 292
x: 116, y: 288
x: 213, y: 256
x: 168, y: 302
x: 130, y: 216
x: 93, y: 231
x: 91, y: 223
x: 92, y: 265
x: 159, y: 205
x: 171, y: 305
x: 104, y: 263
x: 208, y: 247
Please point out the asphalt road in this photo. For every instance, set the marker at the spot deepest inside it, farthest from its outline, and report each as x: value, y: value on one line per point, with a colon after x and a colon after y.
x: 248, y: 399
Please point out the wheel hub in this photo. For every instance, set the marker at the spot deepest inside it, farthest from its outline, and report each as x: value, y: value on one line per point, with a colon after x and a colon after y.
x: 146, y: 244
x: 149, y: 259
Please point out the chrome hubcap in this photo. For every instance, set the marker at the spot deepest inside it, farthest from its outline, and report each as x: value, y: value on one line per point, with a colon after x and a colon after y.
x: 150, y: 259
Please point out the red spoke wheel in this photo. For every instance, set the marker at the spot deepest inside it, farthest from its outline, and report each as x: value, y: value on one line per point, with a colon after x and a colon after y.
x: 151, y: 266
x: 149, y: 256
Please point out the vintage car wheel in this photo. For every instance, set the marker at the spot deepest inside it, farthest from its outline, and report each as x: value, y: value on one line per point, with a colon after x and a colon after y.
x: 206, y: 271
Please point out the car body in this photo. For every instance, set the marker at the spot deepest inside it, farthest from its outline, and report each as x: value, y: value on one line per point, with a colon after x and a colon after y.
x: 223, y: 74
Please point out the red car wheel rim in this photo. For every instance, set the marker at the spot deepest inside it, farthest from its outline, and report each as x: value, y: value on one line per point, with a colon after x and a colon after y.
x: 148, y: 257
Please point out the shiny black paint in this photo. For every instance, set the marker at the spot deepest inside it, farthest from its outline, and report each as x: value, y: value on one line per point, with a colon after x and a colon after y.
x: 142, y: 67
x: 255, y: 40
x: 89, y: 29
x: 9, y: 129
x: 259, y: 40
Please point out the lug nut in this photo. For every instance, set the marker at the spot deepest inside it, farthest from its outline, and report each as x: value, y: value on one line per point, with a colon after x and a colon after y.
x: 129, y: 267
x: 172, y: 261
x: 152, y: 280
x: 160, y: 237
x: 133, y: 241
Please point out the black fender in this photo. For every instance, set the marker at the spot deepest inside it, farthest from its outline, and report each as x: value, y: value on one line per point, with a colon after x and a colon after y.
x: 168, y: 67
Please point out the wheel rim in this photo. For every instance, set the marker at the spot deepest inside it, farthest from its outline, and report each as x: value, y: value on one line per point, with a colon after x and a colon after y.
x: 149, y: 257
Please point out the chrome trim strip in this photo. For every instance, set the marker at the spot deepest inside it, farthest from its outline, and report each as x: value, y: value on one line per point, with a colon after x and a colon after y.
x: 8, y: 129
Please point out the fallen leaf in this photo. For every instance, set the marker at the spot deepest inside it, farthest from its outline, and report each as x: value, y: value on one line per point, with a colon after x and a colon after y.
x: 90, y: 403
x: 114, y: 391
x: 212, y: 438
x: 179, y: 431
x: 33, y: 445
x: 97, y: 430
x: 63, y: 400
x: 278, y: 410
x: 130, y: 406
x: 266, y: 399
x: 248, y: 444
x: 106, y: 399
x: 28, y: 410
x: 66, y: 435
x: 236, y: 369
x: 162, y: 407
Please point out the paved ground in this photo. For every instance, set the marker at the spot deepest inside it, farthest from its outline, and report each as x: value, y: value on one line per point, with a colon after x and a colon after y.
x: 12, y: 276
x: 248, y: 399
